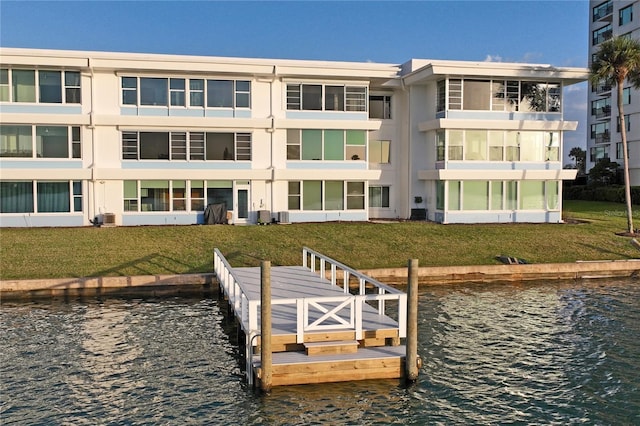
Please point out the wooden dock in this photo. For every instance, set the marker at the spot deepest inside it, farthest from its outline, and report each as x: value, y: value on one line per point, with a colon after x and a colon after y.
x: 329, y: 323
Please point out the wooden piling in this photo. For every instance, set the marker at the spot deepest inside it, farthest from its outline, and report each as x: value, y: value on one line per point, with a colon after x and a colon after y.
x: 411, y: 363
x: 266, y: 359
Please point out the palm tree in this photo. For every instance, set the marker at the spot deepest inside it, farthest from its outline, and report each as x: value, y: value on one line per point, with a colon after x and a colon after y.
x: 617, y: 60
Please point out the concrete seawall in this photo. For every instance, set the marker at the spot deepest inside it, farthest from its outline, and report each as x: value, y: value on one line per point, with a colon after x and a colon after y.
x: 206, y: 284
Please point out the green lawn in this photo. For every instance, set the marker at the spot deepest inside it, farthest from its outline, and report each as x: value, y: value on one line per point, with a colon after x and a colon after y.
x: 75, y: 252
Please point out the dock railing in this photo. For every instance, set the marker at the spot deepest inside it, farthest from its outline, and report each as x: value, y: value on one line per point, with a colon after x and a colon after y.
x: 335, y: 312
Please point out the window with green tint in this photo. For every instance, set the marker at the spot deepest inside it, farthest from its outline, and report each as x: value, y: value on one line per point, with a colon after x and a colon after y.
x: 294, y: 195
x: 16, y: 141
x: 532, y: 195
x: 475, y: 195
x: 333, y: 195
x: 496, y: 143
x: 356, y: 144
x: 52, y: 142
x: 475, y: 145
x: 334, y: 145
x: 24, y: 85
x: 154, y: 195
x: 553, y: 146
x: 130, y: 192
x: 355, y: 195
x: 454, y: 195
x: 455, y: 144
x: 440, y: 195
x: 53, y: 197
x: 312, y: 144
x: 511, y: 195
x: 496, y: 195
x: 440, y: 145
x: 312, y: 195
x: 552, y: 195
x: 512, y: 146
x: 4, y: 85
x: 532, y: 146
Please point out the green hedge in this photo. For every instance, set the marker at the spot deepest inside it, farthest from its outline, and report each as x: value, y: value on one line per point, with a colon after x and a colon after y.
x: 611, y: 193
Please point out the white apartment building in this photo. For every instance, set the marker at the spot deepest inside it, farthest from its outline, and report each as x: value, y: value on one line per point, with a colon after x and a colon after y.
x: 607, y: 19
x: 148, y: 139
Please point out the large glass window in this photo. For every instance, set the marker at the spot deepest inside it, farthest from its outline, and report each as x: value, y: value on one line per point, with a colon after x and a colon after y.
x: 220, y: 146
x: 50, y: 86
x: 129, y: 91
x: 355, y: 195
x: 356, y: 144
x: 196, y: 93
x: 177, y: 91
x: 52, y: 142
x: 220, y: 192
x: 294, y: 195
x: 496, y: 195
x: 601, y: 34
x: 475, y: 195
x: 16, y: 141
x: 16, y: 197
x: 312, y: 144
x: 318, y: 97
x: 552, y: 190
x: 197, y: 195
x: 23, y: 85
x: 532, y: 195
x: 154, y: 195
x: 312, y: 195
x: 154, y: 145
x: 130, y: 188
x: 329, y: 145
x: 440, y: 184
x: 4, y: 85
x: 496, y: 146
x: 476, y: 95
x: 626, y: 96
x: 153, y: 91
x: 220, y: 93
x: 179, y: 195
x: 333, y: 145
x: 72, y: 92
x: 333, y: 195
x: 475, y: 145
x: 454, y: 195
x: 602, y: 10
x: 243, y: 94
x: 53, y: 197
x: 455, y: 145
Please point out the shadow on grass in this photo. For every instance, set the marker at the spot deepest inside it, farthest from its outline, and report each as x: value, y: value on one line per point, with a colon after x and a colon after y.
x: 606, y: 251
x: 152, y: 264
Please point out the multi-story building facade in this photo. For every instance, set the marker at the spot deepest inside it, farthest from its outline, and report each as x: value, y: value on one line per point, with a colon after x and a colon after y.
x: 155, y: 139
x: 607, y: 19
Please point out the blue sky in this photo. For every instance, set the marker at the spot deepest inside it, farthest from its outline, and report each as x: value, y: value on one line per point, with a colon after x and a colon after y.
x: 552, y: 32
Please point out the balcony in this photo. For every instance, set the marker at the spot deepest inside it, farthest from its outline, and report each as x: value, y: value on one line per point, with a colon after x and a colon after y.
x: 601, y: 37
x: 601, y: 88
x: 603, y: 12
x: 602, y: 112
x: 602, y: 137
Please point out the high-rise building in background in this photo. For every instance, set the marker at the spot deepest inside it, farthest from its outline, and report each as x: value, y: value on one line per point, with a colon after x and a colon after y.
x: 608, y: 19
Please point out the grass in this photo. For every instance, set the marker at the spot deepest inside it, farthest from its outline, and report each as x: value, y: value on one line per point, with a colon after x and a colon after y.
x: 76, y: 252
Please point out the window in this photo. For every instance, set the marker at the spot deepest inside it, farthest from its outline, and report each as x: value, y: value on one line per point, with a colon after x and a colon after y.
x: 598, y: 153
x: 496, y: 145
x: 312, y: 195
x: 318, y: 97
x: 177, y: 91
x: 454, y: 195
x: 532, y: 195
x: 627, y: 123
x: 600, y: 132
x: 440, y: 184
x: 455, y: 145
x: 4, y: 85
x: 334, y: 195
x: 379, y: 196
x: 129, y: 91
x: 243, y: 94
x: 53, y: 197
x: 379, y: 152
x: 440, y: 145
x: 294, y: 196
x: 355, y: 195
x: 182, y: 145
x: 602, y: 10
x: 475, y: 145
x: 153, y: 91
x: 50, y: 86
x: 496, y: 195
x: 220, y: 93
x: 455, y: 93
x: 625, y: 15
x: 179, y: 195
x: 328, y: 145
x: 380, y: 107
x: 551, y: 192
x: 154, y: 195
x: 512, y: 146
x: 476, y: 95
x: 619, y: 151
x: 475, y: 195
x: 130, y: 195
x: 601, y: 107
x: 441, y: 95
x: 197, y: 195
x: 196, y: 93
x: 553, y: 146
x: 49, y: 141
x: 602, y: 34
x: 16, y: 197
x: 626, y: 96
x: 23, y: 85
x: 72, y: 92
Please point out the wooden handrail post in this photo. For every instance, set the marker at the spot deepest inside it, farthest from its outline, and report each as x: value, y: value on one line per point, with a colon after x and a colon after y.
x: 266, y: 359
x: 411, y: 363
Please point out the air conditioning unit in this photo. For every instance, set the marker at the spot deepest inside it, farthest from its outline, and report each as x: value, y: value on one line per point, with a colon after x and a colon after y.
x: 264, y: 216
x: 283, y: 217
x: 109, y: 219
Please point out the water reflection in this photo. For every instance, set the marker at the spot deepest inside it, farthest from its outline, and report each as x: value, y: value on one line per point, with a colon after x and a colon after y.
x: 536, y: 353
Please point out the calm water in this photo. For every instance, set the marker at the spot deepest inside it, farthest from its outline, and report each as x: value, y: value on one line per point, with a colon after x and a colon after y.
x: 540, y: 354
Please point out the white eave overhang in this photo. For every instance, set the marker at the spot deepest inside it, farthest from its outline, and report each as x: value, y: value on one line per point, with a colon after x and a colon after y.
x: 436, y: 70
x: 445, y: 174
x: 454, y: 123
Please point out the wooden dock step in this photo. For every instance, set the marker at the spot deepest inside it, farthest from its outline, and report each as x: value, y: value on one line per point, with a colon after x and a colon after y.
x: 331, y: 348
